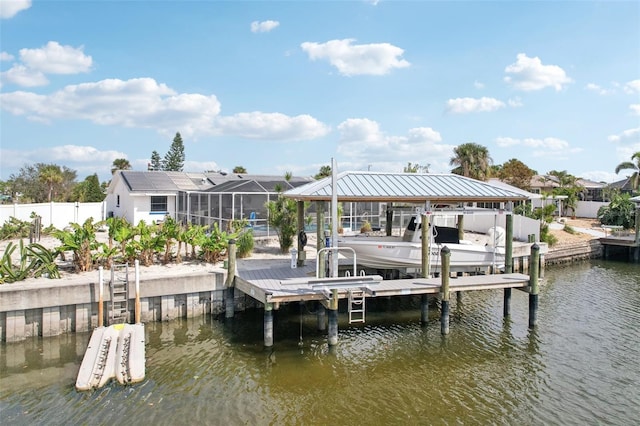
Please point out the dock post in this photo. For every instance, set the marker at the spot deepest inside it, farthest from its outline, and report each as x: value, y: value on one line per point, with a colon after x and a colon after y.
x: 534, y: 265
x: 301, y: 253
x: 321, y: 316
x: 444, y: 314
x: 426, y: 246
x: 100, y: 298
x: 229, y: 302
x: 333, y: 318
x: 137, y: 305
x: 461, y: 227
x: 508, y: 262
x: 268, y: 325
x: 424, y: 309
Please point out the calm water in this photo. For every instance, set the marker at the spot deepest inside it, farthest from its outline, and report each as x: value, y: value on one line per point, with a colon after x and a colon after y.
x: 581, y: 365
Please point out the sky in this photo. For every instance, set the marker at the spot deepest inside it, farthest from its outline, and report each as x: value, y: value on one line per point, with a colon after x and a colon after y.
x: 287, y: 86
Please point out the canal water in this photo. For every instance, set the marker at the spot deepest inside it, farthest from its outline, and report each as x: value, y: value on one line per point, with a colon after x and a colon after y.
x: 580, y: 365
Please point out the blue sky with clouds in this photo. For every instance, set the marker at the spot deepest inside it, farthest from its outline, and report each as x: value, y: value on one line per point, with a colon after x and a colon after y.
x: 286, y: 86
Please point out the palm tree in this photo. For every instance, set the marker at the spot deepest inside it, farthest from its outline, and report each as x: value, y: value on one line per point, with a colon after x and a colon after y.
x: 51, y: 175
x: 472, y: 160
x: 630, y: 165
x: 120, y: 164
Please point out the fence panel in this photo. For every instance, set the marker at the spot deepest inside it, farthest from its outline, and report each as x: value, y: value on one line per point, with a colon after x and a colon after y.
x: 56, y: 214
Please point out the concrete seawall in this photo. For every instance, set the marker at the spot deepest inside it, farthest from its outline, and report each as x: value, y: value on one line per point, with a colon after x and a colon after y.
x: 67, y: 306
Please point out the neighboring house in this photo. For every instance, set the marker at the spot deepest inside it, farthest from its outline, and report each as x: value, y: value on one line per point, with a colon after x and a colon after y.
x: 624, y: 186
x: 543, y: 184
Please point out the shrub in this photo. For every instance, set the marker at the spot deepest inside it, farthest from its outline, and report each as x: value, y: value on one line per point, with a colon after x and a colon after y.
x: 244, y: 243
x: 366, y: 227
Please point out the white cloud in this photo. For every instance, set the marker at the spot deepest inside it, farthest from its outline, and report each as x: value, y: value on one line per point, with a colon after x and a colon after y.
x: 264, y: 26
x: 478, y: 85
x: 465, y: 105
x: 10, y: 8
x: 85, y: 160
x: 515, y: 102
x: 261, y: 125
x: 629, y: 135
x: 363, y: 143
x: 530, y: 74
x: 54, y: 58
x: 23, y: 76
x: 553, y: 148
x: 635, y: 109
x: 597, y: 89
x: 632, y: 86
x: 5, y: 56
x: 358, y: 59
x: 144, y: 103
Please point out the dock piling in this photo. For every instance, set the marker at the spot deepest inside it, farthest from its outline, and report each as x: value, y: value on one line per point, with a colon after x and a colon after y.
x: 268, y: 325
x: 424, y: 309
x: 100, y: 297
x: 321, y: 316
x: 137, y: 305
x: 533, y: 285
x: 229, y: 302
x: 333, y: 327
x: 446, y: 268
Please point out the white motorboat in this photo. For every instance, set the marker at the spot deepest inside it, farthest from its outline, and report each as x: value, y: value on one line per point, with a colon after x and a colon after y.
x: 384, y: 252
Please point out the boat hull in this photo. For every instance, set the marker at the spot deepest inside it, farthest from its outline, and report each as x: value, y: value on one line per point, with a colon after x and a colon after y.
x: 388, y: 254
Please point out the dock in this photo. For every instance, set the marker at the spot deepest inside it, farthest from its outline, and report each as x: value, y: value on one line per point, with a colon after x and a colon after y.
x: 273, y: 284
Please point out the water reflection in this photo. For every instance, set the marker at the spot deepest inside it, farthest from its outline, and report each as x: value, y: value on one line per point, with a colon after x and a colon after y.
x: 575, y: 367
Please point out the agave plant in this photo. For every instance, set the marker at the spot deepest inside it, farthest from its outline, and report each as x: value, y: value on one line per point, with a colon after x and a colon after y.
x: 35, y: 261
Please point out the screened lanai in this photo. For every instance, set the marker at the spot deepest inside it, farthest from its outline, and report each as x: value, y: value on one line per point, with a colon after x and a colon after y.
x: 243, y: 197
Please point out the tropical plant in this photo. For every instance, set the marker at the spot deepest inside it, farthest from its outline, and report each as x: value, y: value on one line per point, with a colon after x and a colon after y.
x: 35, y: 261
x: 214, y: 244
x: 193, y: 235
x: 169, y: 230
x: 239, y: 169
x: 15, y: 228
x: 120, y: 164
x: 471, y: 160
x: 244, y: 241
x: 51, y: 176
x: 631, y: 165
x: 283, y: 218
x: 416, y: 168
x: 366, y: 227
x: 149, y: 243
x: 619, y: 212
x: 325, y: 171
x: 81, y: 241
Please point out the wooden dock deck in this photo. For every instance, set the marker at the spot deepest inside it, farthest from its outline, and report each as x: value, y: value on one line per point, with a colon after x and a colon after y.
x: 271, y: 282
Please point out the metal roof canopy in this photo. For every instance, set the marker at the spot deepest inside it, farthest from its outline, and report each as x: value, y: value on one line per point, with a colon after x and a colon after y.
x: 403, y: 187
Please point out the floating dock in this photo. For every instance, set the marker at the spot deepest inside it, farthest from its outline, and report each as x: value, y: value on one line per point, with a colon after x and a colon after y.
x: 114, y: 352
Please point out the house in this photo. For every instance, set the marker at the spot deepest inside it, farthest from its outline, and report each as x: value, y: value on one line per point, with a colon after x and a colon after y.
x: 201, y: 198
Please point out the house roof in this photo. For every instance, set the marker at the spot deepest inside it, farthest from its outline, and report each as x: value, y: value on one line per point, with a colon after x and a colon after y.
x: 403, y: 187
x: 259, y: 183
x: 504, y: 185
x: 161, y: 181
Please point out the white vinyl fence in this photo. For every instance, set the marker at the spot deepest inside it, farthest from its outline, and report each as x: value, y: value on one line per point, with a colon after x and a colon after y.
x: 56, y: 214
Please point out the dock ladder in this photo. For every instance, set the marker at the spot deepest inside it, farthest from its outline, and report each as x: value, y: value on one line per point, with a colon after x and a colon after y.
x: 119, y: 289
x: 356, y: 305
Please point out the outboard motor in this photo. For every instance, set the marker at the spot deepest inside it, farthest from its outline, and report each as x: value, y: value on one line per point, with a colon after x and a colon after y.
x: 497, y: 236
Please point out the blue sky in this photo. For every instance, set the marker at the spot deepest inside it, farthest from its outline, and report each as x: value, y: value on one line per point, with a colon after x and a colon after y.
x: 281, y: 87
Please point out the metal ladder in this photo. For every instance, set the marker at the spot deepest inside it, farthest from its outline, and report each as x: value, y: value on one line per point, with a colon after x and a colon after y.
x: 356, y: 305
x: 119, y: 288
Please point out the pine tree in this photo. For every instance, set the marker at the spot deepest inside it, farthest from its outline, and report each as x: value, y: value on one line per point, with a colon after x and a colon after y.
x: 156, y: 162
x: 174, y: 160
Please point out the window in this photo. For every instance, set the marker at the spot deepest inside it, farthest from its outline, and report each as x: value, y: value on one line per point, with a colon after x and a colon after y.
x: 159, y: 204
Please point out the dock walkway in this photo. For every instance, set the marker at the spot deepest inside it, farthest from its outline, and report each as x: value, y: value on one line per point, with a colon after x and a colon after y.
x: 277, y: 282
